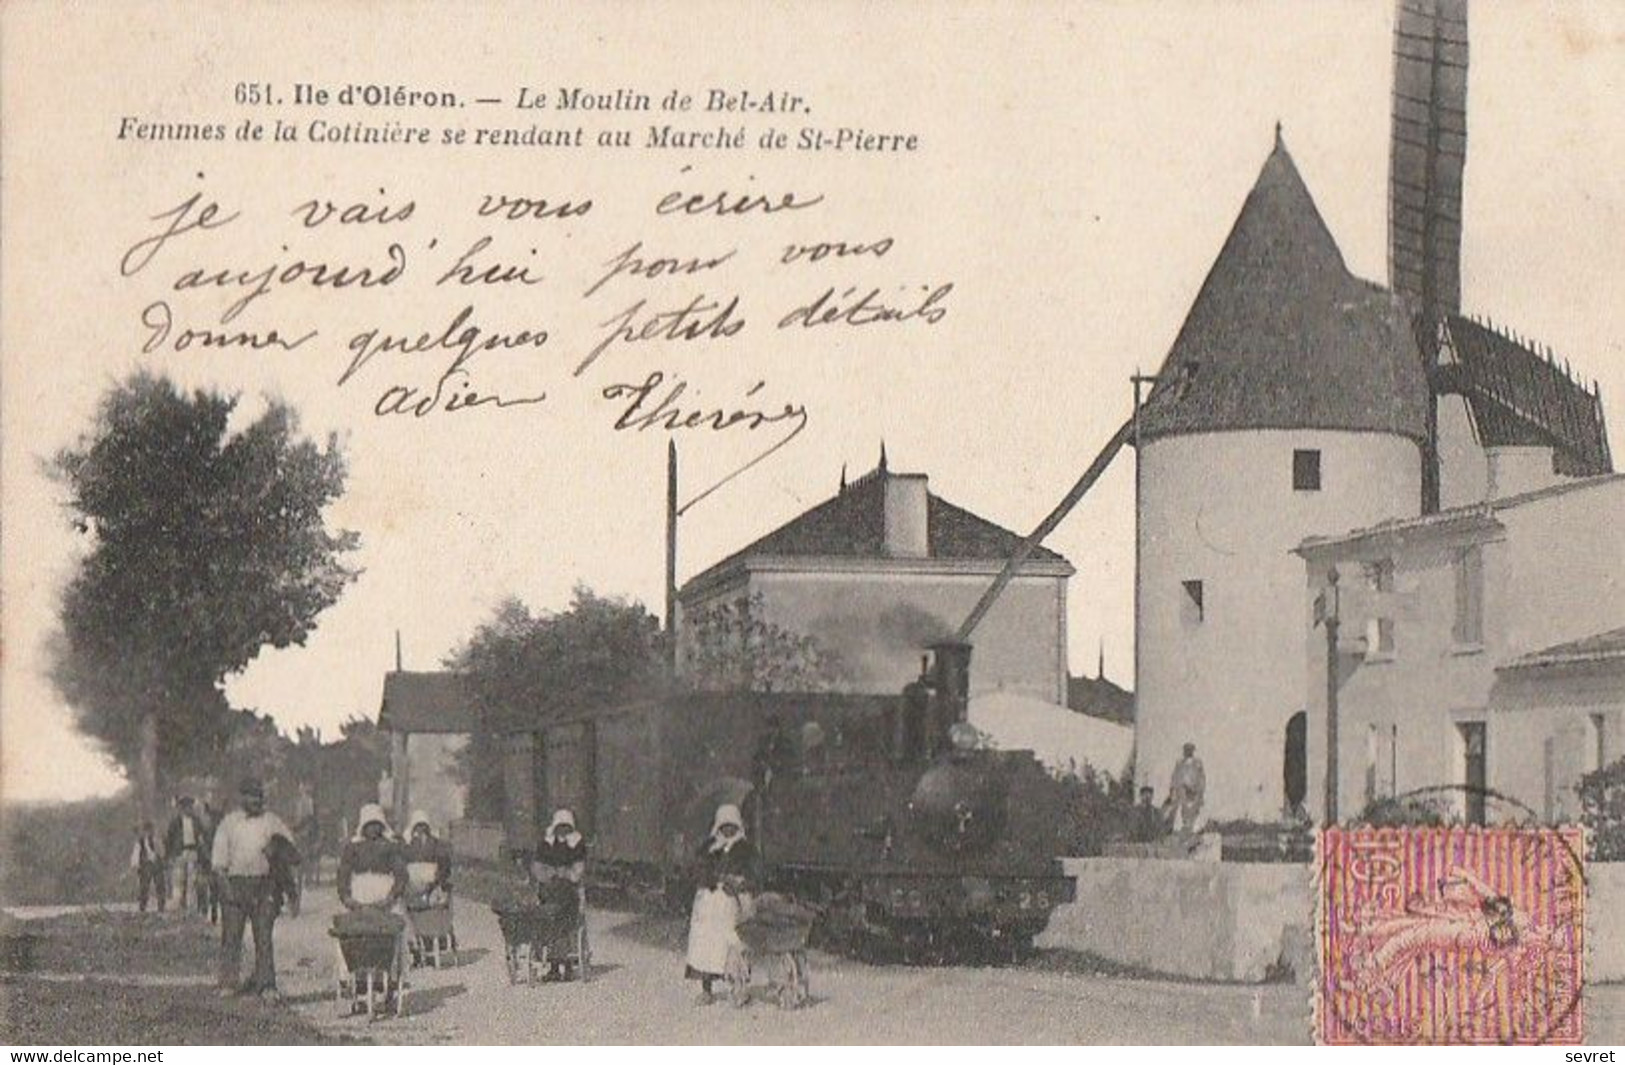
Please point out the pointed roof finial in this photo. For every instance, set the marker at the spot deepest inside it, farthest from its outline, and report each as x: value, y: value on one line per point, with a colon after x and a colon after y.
x: 1279, y: 141
x: 843, y: 477
x: 1100, y: 668
x: 399, y: 668
x: 883, y: 454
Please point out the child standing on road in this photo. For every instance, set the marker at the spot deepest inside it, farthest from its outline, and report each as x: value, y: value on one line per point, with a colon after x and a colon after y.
x: 148, y: 864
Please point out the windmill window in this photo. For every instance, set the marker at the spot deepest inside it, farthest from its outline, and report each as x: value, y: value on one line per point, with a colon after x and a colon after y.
x: 1306, y: 470
x: 1192, y: 609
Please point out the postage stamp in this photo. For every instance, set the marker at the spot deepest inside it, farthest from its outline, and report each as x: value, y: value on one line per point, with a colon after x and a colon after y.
x: 1450, y: 935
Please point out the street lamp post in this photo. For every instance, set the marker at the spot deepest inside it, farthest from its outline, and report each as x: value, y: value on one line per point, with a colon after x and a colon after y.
x: 1331, y: 620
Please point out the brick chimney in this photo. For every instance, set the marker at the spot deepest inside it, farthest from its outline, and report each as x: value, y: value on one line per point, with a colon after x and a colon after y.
x: 907, y: 533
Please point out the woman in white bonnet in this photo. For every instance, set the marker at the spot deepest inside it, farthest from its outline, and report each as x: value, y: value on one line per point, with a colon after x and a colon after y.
x: 428, y: 863
x: 727, y: 876
x: 563, y: 852
x: 372, y: 870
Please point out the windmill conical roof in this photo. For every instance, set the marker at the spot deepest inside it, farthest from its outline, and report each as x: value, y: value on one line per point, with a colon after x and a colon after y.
x: 1282, y: 336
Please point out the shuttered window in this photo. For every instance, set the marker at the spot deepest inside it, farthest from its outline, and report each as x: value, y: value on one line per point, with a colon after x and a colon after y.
x: 1469, y: 569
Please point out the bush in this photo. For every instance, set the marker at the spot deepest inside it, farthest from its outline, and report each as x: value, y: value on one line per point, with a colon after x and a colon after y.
x: 68, y: 853
x: 1409, y: 811
x: 1098, y: 809
x: 1246, y: 840
x: 1602, y: 810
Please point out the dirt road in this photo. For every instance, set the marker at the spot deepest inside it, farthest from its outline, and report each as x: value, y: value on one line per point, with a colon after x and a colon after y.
x: 637, y: 995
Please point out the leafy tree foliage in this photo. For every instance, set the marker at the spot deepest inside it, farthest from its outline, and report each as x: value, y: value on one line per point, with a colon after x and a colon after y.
x: 733, y: 646
x: 205, y: 546
x: 523, y: 669
x: 1602, y: 810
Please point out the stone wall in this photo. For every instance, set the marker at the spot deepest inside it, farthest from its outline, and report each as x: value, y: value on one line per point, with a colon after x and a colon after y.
x: 1605, y: 923
x: 1232, y: 921
x: 482, y: 840
x: 1199, y: 919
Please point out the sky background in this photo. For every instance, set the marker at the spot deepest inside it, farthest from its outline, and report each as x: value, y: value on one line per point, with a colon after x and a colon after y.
x: 1081, y: 166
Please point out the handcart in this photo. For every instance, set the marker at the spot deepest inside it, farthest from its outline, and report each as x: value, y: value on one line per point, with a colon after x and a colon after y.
x: 538, y: 935
x: 432, y: 936
x: 371, y: 964
x: 772, y: 939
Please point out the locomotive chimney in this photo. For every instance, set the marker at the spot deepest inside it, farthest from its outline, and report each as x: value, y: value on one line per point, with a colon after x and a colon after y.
x: 951, y: 676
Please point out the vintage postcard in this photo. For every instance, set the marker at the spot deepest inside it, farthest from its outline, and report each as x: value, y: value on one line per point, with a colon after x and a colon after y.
x: 811, y: 523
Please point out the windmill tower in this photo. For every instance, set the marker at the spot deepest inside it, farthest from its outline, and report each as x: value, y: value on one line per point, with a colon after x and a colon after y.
x: 1293, y: 402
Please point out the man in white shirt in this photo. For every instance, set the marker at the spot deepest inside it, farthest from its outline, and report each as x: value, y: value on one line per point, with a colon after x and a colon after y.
x: 1186, y: 790
x: 242, y: 863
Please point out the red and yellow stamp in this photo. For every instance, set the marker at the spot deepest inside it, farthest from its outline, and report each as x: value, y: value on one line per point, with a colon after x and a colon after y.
x: 1450, y: 935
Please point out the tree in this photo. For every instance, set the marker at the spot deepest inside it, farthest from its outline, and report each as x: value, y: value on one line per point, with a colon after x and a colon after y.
x: 732, y: 646
x: 205, y: 547
x: 523, y: 669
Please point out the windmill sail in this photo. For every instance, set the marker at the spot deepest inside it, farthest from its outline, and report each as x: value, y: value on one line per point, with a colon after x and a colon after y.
x: 1427, y: 156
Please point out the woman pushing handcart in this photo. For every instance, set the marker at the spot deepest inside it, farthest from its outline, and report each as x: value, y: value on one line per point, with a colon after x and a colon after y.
x: 546, y: 929
x: 371, y: 937
x: 432, y: 937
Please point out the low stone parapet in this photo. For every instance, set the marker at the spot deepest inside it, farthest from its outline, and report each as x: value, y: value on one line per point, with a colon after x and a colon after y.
x: 1244, y: 921
x: 1203, y: 920
x: 481, y: 840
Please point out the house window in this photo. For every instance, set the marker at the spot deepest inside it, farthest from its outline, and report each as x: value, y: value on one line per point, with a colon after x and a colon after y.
x: 1599, y: 741
x: 1306, y: 470
x: 1469, y: 568
x: 1192, y: 609
x: 1379, y: 579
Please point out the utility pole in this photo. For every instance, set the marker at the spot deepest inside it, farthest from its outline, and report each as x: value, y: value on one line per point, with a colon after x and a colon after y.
x: 1140, y: 381
x: 1332, y: 622
x: 671, y: 554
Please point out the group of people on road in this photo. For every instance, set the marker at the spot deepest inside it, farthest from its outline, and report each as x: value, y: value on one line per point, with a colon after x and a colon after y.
x: 178, y: 866
x: 257, y: 867
x: 380, y: 871
x: 243, y: 868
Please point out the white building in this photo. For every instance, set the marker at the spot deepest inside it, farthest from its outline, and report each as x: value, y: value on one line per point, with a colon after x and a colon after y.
x: 429, y: 718
x: 883, y: 569
x: 1481, y: 650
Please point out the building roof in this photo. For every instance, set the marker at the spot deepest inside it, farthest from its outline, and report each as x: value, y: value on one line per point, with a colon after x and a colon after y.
x: 1459, y: 515
x: 1517, y: 397
x: 1099, y: 697
x: 426, y: 702
x: 1282, y: 336
x: 1603, y: 647
x: 852, y: 525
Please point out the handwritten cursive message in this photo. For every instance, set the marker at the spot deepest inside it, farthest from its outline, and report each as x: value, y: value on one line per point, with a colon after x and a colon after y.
x: 490, y: 324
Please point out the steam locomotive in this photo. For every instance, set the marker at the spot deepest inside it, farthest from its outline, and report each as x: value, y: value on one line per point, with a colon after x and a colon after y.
x: 885, y: 812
